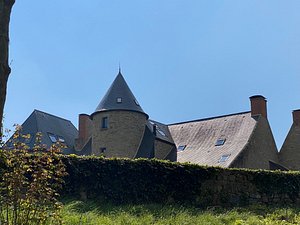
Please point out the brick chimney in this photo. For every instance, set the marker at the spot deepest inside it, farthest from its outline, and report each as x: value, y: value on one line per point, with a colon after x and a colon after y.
x: 258, y: 106
x: 296, y: 116
x: 85, y: 130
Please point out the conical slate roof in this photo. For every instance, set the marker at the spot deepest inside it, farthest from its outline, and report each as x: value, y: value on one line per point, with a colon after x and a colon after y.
x: 119, y: 97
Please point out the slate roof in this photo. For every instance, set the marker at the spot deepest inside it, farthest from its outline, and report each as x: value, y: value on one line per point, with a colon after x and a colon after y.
x: 162, y: 131
x: 46, y: 124
x: 146, y: 148
x: 86, y: 150
x: 119, y: 90
x: 200, y: 137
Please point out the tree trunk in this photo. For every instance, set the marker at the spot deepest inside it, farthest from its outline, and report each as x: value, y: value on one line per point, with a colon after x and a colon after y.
x: 5, y: 11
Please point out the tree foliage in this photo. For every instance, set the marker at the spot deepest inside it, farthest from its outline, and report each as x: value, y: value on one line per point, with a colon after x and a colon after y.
x: 30, y: 180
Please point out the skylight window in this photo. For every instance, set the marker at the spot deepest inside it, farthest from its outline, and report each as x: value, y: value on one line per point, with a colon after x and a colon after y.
x: 119, y: 100
x: 61, y: 139
x: 220, y: 142
x: 224, y: 158
x: 52, y: 137
x: 181, y: 147
x: 161, y: 132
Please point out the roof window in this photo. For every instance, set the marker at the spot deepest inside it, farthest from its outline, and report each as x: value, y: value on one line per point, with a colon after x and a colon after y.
x: 161, y: 132
x: 119, y: 100
x: 52, y: 137
x: 61, y: 139
x: 220, y: 142
x: 151, y: 122
x: 224, y: 158
x: 181, y: 147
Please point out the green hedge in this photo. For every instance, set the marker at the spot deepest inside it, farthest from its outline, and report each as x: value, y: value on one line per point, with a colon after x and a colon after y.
x: 146, y: 181
x: 139, y: 180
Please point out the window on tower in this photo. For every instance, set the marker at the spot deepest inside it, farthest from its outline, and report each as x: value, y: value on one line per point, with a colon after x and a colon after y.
x: 104, y: 123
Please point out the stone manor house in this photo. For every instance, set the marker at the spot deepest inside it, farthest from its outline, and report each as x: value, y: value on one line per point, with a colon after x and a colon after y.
x: 120, y: 128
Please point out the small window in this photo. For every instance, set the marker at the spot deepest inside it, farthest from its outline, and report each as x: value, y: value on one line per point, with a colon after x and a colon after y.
x: 181, y: 147
x: 102, y: 150
x: 151, y: 122
x: 224, y: 158
x: 119, y: 100
x: 136, y: 102
x: 52, y: 137
x: 220, y: 141
x: 104, y: 124
x: 61, y: 139
x: 161, y: 132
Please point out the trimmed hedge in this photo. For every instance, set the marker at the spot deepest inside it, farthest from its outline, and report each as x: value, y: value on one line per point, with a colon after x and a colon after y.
x: 148, y: 181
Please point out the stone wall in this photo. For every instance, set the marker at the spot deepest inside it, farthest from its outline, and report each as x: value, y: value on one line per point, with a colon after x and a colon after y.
x: 123, y: 135
x: 162, y: 149
x: 234, y: 188
x: 260, y: 149
x: 289, y: 155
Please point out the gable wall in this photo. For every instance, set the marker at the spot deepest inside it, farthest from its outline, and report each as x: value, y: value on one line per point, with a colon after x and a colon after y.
x: 289, y: 155
x: 162, y: 149
x: 260, y: 149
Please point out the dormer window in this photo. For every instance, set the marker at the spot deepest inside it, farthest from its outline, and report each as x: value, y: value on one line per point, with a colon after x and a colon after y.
x: 220, y: 142
x: 119, y: 100
x: 104, y: 123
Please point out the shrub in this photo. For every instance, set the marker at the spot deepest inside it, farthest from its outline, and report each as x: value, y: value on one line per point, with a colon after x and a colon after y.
x: 29, y: 183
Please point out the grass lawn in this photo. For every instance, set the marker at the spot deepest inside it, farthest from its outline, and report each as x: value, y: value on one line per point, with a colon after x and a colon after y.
x: 77, y: 212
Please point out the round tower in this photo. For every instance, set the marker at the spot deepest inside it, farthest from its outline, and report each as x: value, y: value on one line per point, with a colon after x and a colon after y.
x: 119, y: 122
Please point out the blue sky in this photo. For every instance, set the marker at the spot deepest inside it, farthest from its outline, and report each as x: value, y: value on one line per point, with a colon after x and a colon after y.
x: 183, y: 60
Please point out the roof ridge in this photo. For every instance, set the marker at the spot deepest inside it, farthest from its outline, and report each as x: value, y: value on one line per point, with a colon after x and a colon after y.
x: 39, y: 111
x: 209, y: 118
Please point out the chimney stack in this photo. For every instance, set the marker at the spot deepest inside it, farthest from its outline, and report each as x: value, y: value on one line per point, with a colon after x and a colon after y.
x: 258, y: 106
x: 84, y: 126
x: 296, y: 116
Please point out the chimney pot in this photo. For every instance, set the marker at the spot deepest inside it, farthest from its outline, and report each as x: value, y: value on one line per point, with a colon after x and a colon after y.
x: 258, y: 106
x: 296, y: 117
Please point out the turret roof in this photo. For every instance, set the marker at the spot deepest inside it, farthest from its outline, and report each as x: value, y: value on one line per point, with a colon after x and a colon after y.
x: 119, y: 97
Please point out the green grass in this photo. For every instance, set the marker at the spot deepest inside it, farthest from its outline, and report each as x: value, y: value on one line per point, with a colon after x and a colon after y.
x: 77, y: 212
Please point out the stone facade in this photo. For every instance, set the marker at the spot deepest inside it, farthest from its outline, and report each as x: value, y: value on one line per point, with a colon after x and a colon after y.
x: 261, y: 148
x: 290, y: 152
x: 123, y: 135
x: 162, y: 149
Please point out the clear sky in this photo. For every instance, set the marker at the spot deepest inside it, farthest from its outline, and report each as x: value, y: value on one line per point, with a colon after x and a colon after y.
x: 183, y: 59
